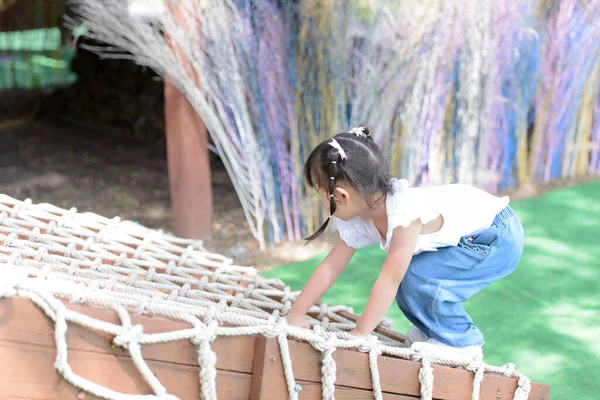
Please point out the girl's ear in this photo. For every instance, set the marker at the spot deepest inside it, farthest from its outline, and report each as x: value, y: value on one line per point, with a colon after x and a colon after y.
x: 342, y: 195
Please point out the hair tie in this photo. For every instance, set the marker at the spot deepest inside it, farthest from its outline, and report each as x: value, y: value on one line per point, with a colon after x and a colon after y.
x: 359, y: 131
x: 334, y: 143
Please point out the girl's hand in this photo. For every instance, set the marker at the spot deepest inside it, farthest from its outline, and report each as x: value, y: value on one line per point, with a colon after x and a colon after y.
x: 297, y: 320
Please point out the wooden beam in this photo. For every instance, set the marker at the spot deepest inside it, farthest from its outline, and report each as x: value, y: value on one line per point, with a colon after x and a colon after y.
x: 268, y: 381
x: 27, y: 372
x: 396, y: 376
x: 234, y: 353
x: 312, y: 391
x: 267, y: 373
x: 259, y: 355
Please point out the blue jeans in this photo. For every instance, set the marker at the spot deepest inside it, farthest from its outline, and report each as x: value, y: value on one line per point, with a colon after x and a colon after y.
x: 437, y: 282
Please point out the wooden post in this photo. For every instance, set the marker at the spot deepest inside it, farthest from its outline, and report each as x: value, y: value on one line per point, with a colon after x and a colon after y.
x: 187, y: 157
x: 267, y: 371
x: 189, y: 166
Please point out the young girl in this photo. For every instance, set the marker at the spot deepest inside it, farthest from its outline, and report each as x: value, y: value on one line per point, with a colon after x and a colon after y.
x: 444, y: 243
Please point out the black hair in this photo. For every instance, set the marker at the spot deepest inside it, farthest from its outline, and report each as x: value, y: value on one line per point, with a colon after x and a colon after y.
x: 365, y: 169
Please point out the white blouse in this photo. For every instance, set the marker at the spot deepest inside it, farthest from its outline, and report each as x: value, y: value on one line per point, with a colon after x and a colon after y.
x: 466, y: 210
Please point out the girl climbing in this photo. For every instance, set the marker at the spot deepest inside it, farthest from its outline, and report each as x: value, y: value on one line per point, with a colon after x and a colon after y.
x: 444, y: 243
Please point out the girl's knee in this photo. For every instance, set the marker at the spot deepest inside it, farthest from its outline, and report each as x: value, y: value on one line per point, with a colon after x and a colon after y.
x: 416, y: 292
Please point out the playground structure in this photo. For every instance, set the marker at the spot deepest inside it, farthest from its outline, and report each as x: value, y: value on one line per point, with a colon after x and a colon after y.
x: 92, y: 307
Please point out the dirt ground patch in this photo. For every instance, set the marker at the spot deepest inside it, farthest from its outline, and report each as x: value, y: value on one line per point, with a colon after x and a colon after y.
x: 115, y: 176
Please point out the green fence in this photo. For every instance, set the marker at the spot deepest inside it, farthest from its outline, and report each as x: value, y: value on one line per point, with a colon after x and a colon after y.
x: 34, y: 59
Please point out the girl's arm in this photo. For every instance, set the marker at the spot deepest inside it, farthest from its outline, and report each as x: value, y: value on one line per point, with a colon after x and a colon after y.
x: 386, y: 286
x: 320, y: 281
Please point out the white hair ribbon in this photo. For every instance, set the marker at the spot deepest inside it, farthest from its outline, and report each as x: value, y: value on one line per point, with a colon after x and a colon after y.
x: 334, y: 143
x: 358, y: 131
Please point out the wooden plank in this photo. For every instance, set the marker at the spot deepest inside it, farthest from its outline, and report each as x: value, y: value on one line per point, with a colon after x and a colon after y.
x: 312, y: 391
x: 268, y: 381
x: 267, y: 373
x: 22, y: 321
x: 30, y: 375
x: 397, y: 376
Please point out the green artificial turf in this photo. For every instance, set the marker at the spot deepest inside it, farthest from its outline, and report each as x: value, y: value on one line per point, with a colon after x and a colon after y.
x: 545, y: 317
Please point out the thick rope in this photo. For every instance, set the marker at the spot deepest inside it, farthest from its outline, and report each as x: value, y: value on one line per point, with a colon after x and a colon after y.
x: 373, y: 354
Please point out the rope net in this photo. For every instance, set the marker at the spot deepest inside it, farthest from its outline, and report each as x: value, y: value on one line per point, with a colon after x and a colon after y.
x: 52, y: 255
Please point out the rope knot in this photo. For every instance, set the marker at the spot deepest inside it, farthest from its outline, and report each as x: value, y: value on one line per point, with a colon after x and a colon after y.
x: 286, y: 297
x: 368, y: 344
x: 96, y: 264
x: 185, y: 255
x: 213, y: 311
x: 69, y: 250
x: 474, y: 366
x: 276, y: 328
x: 509, y: 371
x: 14, y: 258
x: 151, y: 273
x: 119, y: 262
x: 146, y: 301
x: 285, y: 310
x: 170, y: 267
x: 41, y: 253
x: 238, y: 300
x: 66, y: 217
x: 324, y: 344
x: 16, y: 209
x: 34, y: 236
x: 386, y: 323
x: 207, y: 333
x: 217, y: 275
x: 108, y: 286
x: 129, y: 335
x: 87, y: 244
x: 51, y: 226
x: 323, y: 310
x: 248, y: 291
x: 10, y: 239
x: 202, y: 283
x: 184, y: 290
x: 72, y: 269
x: 132, y: 279
x: 78, y: 296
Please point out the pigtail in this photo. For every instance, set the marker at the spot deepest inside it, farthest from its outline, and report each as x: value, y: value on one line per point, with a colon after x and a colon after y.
x: 335, y: 157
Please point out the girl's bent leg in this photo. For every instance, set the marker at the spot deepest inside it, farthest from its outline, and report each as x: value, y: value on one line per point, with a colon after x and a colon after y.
x: 436, y: 283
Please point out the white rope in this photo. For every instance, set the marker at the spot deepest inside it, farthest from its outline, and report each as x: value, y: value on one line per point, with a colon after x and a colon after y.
x: 478, y: 369
x: 47, y: 253
x: 207, y: 360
